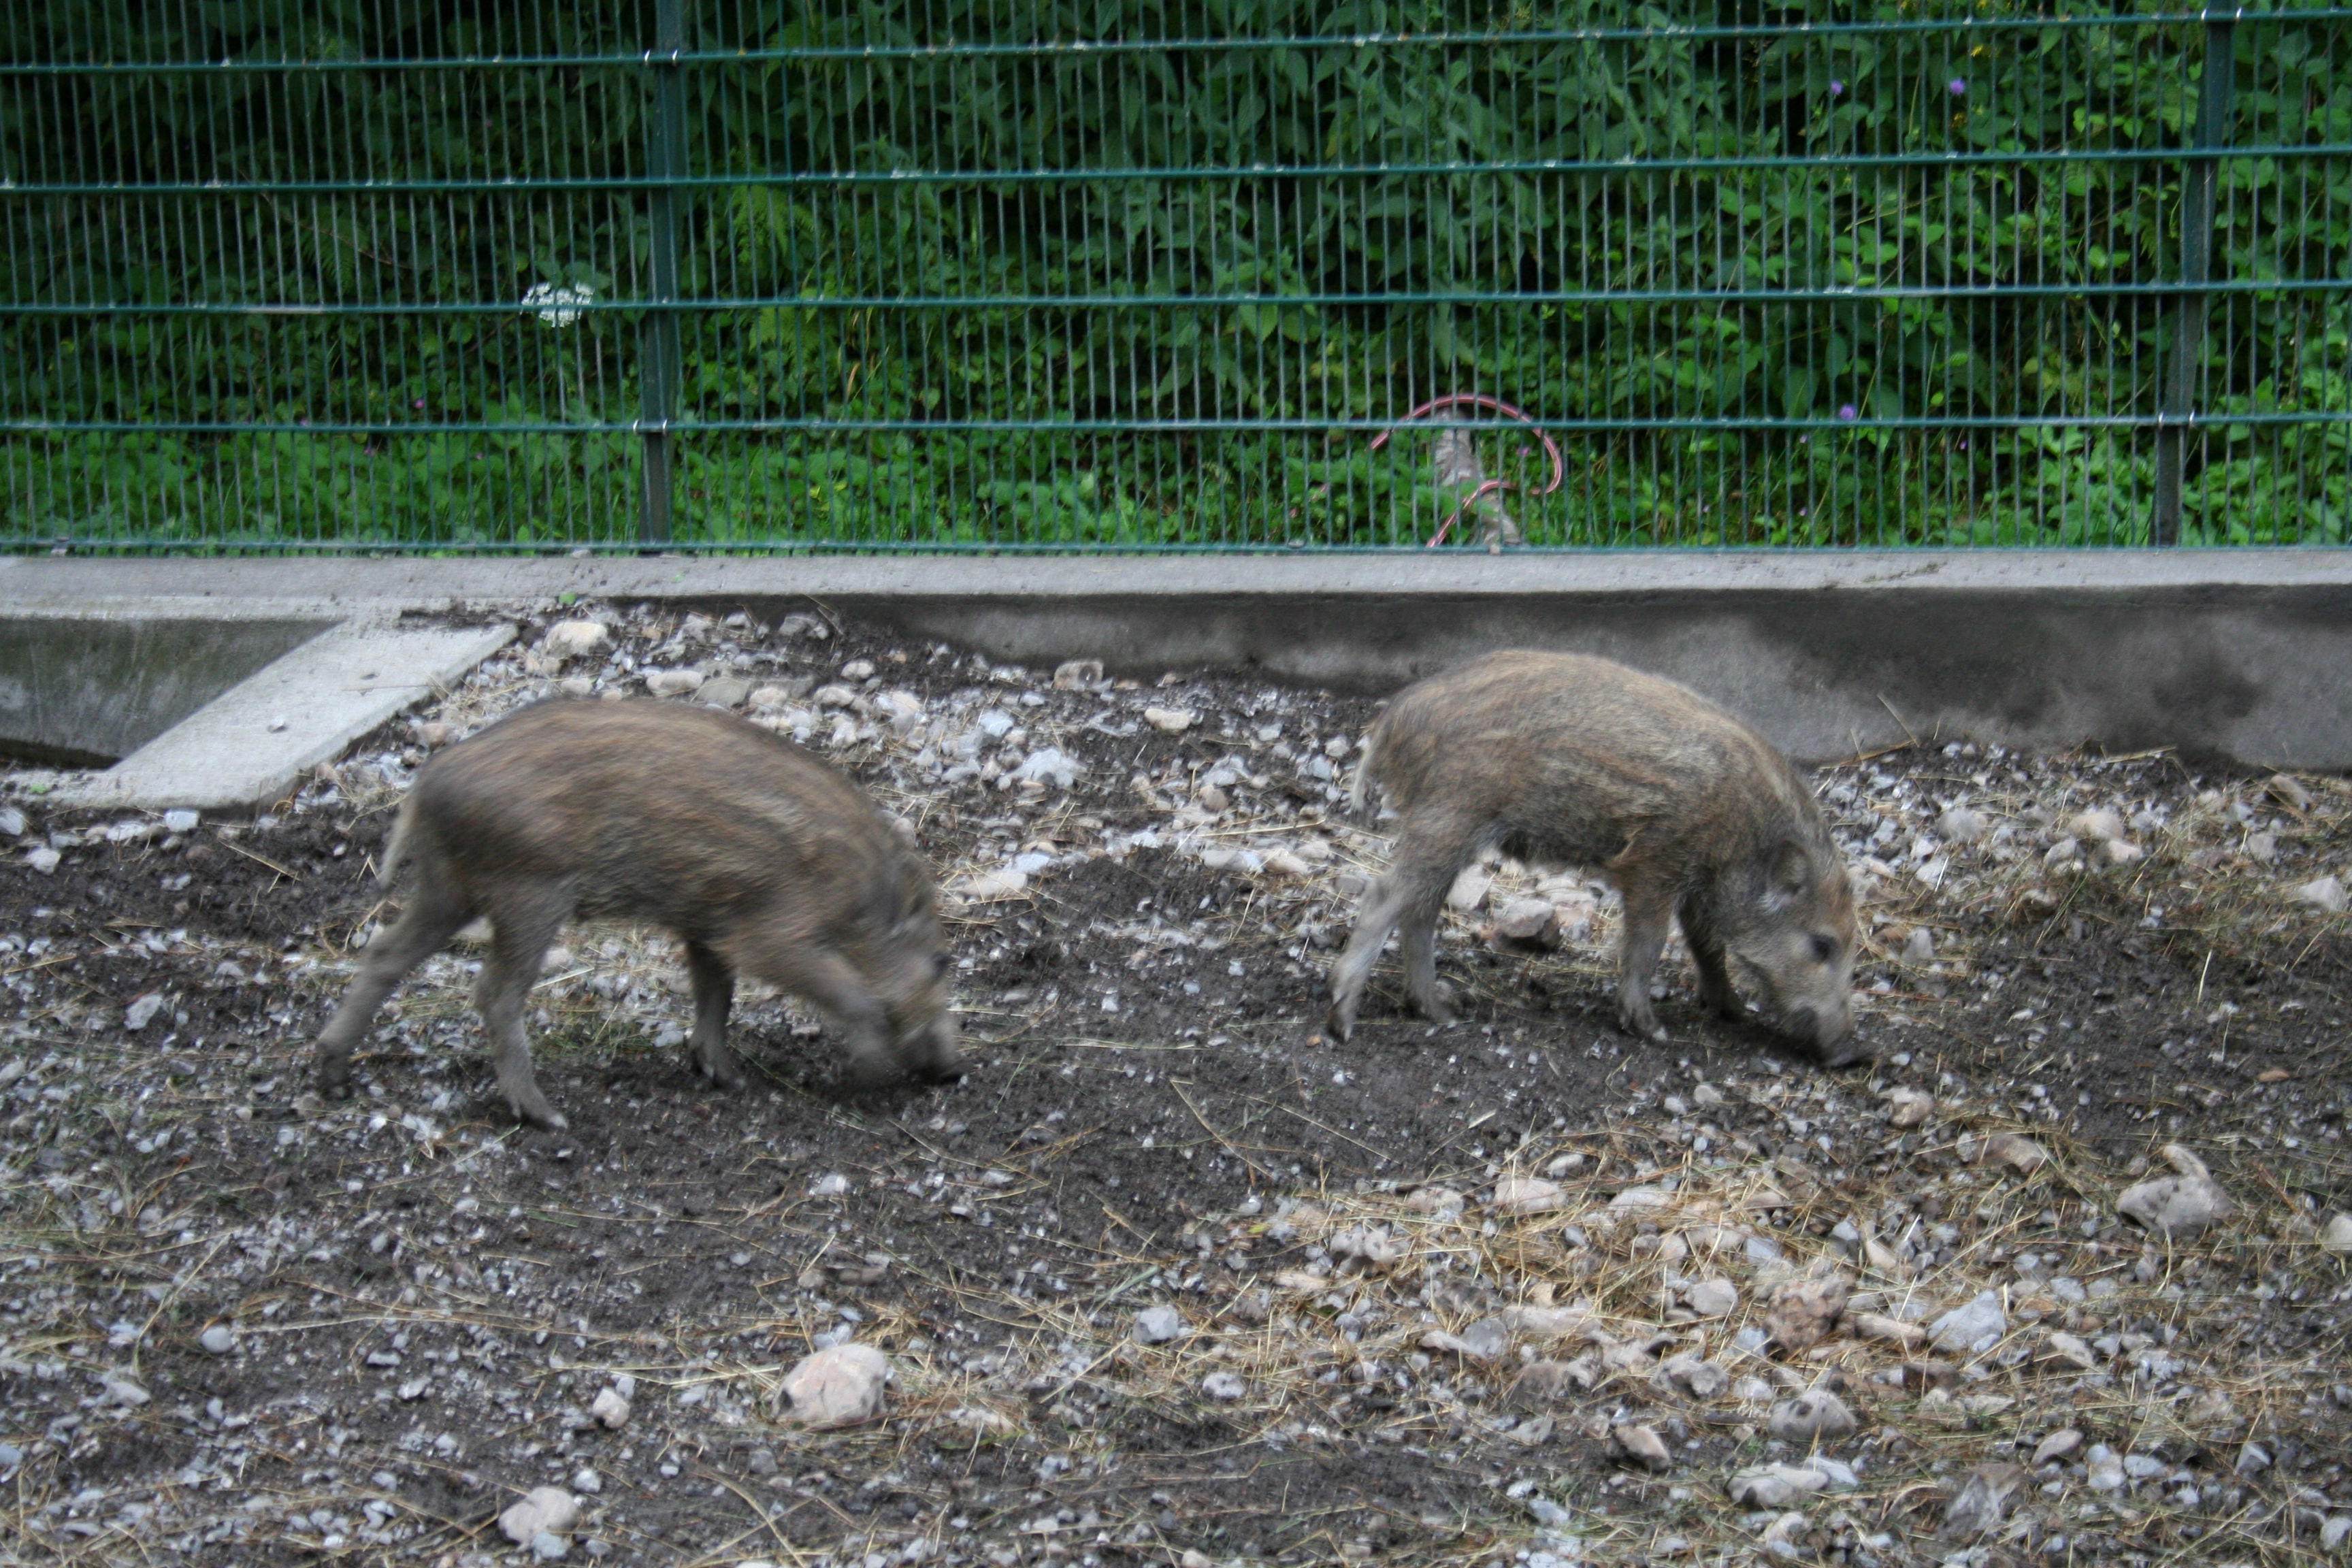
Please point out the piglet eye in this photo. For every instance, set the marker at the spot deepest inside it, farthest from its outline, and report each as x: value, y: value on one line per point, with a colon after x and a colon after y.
x: 1824, y: 948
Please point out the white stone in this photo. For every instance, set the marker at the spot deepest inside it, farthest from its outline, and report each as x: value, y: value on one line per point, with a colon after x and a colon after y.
x: 1968, y: 1325
x: 612, y: 1408
x: 1224, y: 1386
x: 1642, y: 1445
x: 141, y: 1011
x: 1960, y: 826
x: 586, y: 1480
x: 1528, y: 1195
x: 2100, y: 826
x: 2057, y: 1446
x: 549, y: 1510
x: 12, y: 822
x: 1170, y: 720
x: 727, y: 691
x: 125, y: 1390
x: 548, y: 1547
x: 833, y: 697
x: 2103, y: 1472
x: 1546, y: 1322
x: 1699, y: 1378
x: 566, y: 639
x: 1050, y: 765
x: 1527, y: 920
x: 901, y: 710
x: 1819, y: 1416
x: 1920, y: 948
x: 217, y: 1338
x: 2335, y: 1235
x: 2016, y: 1150
x: 674, y: 682
x: 1712, y: 1297
x: 43, y: 858
x: 1469, y: 889
x: 1158, y: 1325
x: 2070, y: 1349
x: 179, y: 819
x: 840, y: 1387
x: 857, y: 669
x: 1776, y: 1485
x: 1982, y: 1499
x: 2178, y: 1207
x: 1909, y: 1107
x: 2336, y: 1532
x: 989, y: 887
x: 1804, y: 1310
x: 1287, y: 863
x: 2327, y: 894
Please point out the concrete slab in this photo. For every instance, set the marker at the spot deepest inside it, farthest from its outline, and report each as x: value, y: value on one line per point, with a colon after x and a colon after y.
x: 248, y: 746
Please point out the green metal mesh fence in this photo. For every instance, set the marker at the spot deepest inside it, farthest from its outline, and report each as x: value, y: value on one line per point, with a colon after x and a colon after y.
x: 455, y: 275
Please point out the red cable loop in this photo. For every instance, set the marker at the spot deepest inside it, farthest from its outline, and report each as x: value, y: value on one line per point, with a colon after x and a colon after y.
x: 1481, y: 400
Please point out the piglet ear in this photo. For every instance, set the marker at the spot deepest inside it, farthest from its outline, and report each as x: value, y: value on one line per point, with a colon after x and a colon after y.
x: 1789, y: 872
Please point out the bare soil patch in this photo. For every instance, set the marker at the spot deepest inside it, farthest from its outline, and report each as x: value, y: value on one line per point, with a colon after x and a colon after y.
x: 1366, y: 1248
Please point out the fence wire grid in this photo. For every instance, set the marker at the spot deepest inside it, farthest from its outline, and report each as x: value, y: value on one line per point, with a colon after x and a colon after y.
x: 464, y: 275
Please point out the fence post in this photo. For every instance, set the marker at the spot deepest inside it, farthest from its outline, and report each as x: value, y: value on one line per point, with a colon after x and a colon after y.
x: 657, y: 371
x: 2200, y: 175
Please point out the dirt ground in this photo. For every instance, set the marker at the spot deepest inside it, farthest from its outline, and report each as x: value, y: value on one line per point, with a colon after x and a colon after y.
x: 1520, y: 1289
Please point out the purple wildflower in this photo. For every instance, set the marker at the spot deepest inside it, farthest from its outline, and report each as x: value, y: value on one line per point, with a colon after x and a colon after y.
x: 1837, y: 88
x: 1957, y: 88
x: 1848, y: 411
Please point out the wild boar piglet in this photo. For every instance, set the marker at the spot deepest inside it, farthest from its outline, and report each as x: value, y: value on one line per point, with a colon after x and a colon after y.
x: 1563, y: 759
x: 761, y: 858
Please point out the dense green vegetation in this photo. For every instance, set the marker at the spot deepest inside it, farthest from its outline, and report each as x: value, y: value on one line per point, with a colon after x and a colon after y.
x: 1700, y: 259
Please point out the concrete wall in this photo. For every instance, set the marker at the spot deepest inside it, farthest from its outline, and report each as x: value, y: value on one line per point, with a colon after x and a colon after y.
x: 2245, y: 655
x: 83, y: 690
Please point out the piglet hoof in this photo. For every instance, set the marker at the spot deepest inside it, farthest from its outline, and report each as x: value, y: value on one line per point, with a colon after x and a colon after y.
x: 1339, y: 1026
x: 1643, y: 1026
x: 867, y: 1071
x: 722, y: 1070
x: 531, y: 1105
x: 334, y: 1080
x: 1851, y: 1051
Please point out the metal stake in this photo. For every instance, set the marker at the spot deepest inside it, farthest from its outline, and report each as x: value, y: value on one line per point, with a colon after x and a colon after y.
x: 2200, y: 176
x: 658, y: 334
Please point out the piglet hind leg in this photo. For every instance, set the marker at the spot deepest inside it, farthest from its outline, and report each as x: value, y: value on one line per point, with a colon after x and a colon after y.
x: 523, y: 931
x: 1431, y: 849
x: 714, y: 996
x: 1374, y: 920
x: 436, y: 913
x: 1647, y: 914
x: 1716, y: 990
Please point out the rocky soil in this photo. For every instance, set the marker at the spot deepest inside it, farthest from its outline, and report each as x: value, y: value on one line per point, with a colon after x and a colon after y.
x: 1171, y: 1277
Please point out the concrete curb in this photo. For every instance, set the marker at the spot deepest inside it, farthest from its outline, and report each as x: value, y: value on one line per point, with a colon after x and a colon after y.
x: 2245, y: 655
x: 250, y: 745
